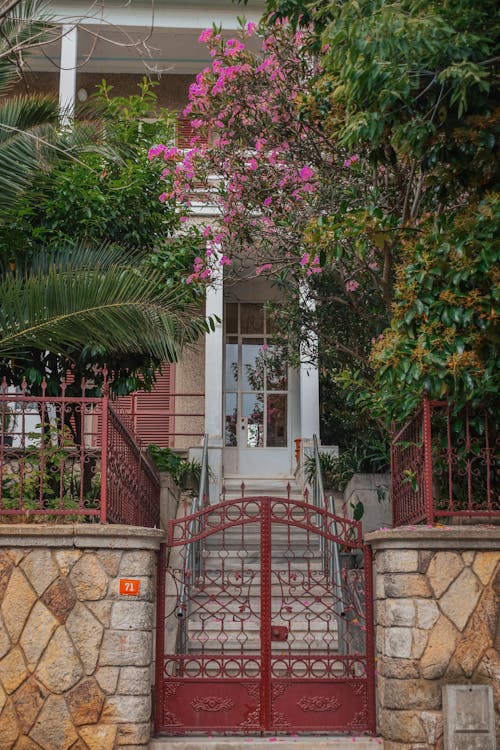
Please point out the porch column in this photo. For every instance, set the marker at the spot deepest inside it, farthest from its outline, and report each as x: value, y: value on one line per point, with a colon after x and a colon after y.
x: 214, y: 359
x: 309, y: 379
x: 67, y: 75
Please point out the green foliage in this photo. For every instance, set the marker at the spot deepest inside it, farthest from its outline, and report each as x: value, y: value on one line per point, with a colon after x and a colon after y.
x: 360, y: 457
x: 184, y: 473
x: 107, y: 194
x: 69, y: 296
x: 444, y: 332
x: 84, y: 294
x: 49, y: 466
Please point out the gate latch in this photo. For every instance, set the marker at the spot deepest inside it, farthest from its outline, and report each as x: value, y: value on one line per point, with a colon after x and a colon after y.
x: 279, y: 633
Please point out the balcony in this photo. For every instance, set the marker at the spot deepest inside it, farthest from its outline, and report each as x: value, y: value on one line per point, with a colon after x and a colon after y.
x: 445, y: 465
x: 72, y: 459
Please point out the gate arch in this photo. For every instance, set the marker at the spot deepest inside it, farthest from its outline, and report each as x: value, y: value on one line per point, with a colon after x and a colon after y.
x: 270, y: 634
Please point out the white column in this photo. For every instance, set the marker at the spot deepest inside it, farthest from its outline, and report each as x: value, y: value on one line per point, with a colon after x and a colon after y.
x: 309, y: 380
x: 67, y: 75
x: 214, y: 361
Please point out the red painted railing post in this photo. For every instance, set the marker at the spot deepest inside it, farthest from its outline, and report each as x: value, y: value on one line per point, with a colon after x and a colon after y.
x: 427, y: 447
x: 104, y: 455
x: 265, y: 612
x: 160, y: 639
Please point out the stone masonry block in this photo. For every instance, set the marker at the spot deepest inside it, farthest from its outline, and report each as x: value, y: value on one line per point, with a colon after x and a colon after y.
x: 406, y: 585
x: 443, y: 569
x: 127, y: 709
x: 40, y: 569
x: 89, y: 578
x: 137, y: 563
x: 461, y: 598
x: 126, y: 648
x: 419, y: 642
x: 399, y: 612
x: 485, y: 565
x: 17, y: 602
x: 409, y: 694
x: 401, y: 669
x: 134, y: 681
x: 427, y: 613
x: 129, y: 614
x: 439, y: 650
x: 398, y: 642
x: 60, y: 668
x: 402, y: 726
x: 398, y: 561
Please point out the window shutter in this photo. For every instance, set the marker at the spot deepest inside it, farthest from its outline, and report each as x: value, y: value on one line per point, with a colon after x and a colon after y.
x: 151, y: 412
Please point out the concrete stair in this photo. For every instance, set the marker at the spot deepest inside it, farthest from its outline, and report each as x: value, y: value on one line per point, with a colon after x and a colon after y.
x: 262, y: 486
x: 305, y: 742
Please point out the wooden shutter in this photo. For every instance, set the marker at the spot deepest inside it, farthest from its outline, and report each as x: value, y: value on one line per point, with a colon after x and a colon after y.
x: 152, y: 413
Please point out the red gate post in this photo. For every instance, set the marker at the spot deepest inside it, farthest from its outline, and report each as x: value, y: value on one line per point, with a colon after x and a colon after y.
x: 160, y: 639
x: 370, y: 640
x: 104, y: 450
x: 427, y: 441
x: 265, y: 613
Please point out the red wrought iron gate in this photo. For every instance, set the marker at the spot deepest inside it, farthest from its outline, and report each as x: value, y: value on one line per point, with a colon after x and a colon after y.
x: 262, y: 625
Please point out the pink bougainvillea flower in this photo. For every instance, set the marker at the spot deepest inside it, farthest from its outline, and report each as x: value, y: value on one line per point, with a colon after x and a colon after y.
x: 251, y: 28
x: 156, y: 151
x: 261, y: 269
x: 352, y: 285
x: 351, y: 160
x: 267, y: 201
x: 225, y: 261
x: 205, y: 36
x: 306, y: 173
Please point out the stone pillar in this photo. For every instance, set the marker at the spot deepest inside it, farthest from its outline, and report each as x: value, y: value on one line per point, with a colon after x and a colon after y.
x: 76, y: 652
x: 437, y: 623
x: 67, y: 74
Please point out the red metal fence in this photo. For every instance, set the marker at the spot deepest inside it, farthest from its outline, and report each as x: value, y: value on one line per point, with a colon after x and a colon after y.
x: 73, y: 457
x: 445, y: 463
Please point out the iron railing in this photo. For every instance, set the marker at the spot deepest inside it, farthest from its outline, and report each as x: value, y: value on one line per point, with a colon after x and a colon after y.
x: 193, y: 560
x: 72, y: 458
x: 445, y: 463
x: 329, y: 549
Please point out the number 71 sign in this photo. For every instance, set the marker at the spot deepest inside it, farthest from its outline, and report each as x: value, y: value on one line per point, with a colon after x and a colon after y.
x: 130, y: 586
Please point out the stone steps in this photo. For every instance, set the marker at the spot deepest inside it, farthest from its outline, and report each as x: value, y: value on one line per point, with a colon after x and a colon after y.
x: 333, y: 742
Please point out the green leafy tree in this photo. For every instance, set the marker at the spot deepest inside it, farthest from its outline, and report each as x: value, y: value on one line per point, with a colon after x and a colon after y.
x: 68, y: 295
x: 409, y: 89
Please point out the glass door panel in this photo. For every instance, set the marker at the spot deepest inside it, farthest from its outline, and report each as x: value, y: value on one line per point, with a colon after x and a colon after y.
x: 276, y: 421
x: 256, y: 381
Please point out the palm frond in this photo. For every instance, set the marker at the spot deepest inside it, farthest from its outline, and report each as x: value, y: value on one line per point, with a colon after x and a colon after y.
x: 98, y: 299
x: 27, y: 132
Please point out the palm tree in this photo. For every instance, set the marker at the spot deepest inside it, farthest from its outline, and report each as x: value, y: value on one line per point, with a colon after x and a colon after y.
x: 74, y: 297
x: 104, y: 297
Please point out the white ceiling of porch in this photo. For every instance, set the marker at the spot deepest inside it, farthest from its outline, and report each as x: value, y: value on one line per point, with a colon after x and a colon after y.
x: 135, y: 37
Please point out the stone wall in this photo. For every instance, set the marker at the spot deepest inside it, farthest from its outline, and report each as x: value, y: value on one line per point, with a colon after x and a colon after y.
x: 75, y: 653
x: 437, y: 623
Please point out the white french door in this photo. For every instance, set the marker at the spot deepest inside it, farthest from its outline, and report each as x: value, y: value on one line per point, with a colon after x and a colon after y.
x: 256, y: 397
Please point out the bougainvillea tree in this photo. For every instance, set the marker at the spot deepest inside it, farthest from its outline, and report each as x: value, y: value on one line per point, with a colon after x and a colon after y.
x: 330, y: 176
x: 275, y: 175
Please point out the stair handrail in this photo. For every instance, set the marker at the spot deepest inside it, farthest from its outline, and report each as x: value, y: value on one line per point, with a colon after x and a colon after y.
x: 330, y: 550
x: 193, y: 559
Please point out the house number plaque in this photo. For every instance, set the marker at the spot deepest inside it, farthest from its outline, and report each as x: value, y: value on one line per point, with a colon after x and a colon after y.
x: 130, y: 586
